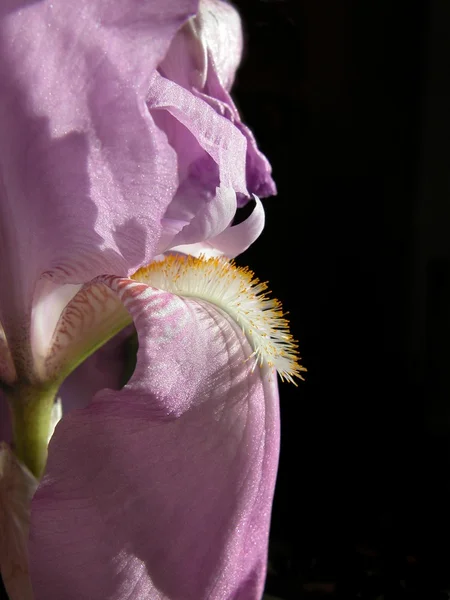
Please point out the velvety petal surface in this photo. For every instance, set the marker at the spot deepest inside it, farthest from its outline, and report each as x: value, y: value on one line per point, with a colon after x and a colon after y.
x: 85, y: 173
x: 164, y: 489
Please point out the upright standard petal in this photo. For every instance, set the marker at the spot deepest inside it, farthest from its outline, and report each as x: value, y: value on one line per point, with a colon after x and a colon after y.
x: 203, y: 58
x: 258, y: 169
x: 85, y: 173
x: 211, y: 155
x: 216, y: 33
x: 163, y: 490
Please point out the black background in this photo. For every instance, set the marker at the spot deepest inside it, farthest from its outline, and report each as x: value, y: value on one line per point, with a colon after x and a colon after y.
x: 350, y: 102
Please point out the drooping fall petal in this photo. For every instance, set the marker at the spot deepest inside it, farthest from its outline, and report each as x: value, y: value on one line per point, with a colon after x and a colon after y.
x: 163, y: 490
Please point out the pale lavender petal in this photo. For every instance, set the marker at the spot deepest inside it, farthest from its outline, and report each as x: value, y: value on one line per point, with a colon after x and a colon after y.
x: 211, y: 165
x: 49, y: 301
x: 221, y: 33
x: 215, y: 30
x: 85, y: 173
x: 215, y: 151
x: 215, y: 134
x: 234, y: 240
x: 203, y: 58
x: 199, y: 180
x: 187, y: 59
x: 201, y: 249
x: 211, y: 219
x: 163, y: 490
x: 258, y: 169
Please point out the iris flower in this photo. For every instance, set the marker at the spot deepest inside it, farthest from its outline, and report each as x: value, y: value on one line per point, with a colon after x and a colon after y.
x: 123, y: 161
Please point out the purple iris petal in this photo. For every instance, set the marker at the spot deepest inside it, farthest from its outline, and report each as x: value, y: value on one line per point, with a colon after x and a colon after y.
x: 203, y: 58
x: 114, y: 148
x: 163, y: 490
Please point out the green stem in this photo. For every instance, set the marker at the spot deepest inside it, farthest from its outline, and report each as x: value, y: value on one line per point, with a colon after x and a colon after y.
x: 31, y: 408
